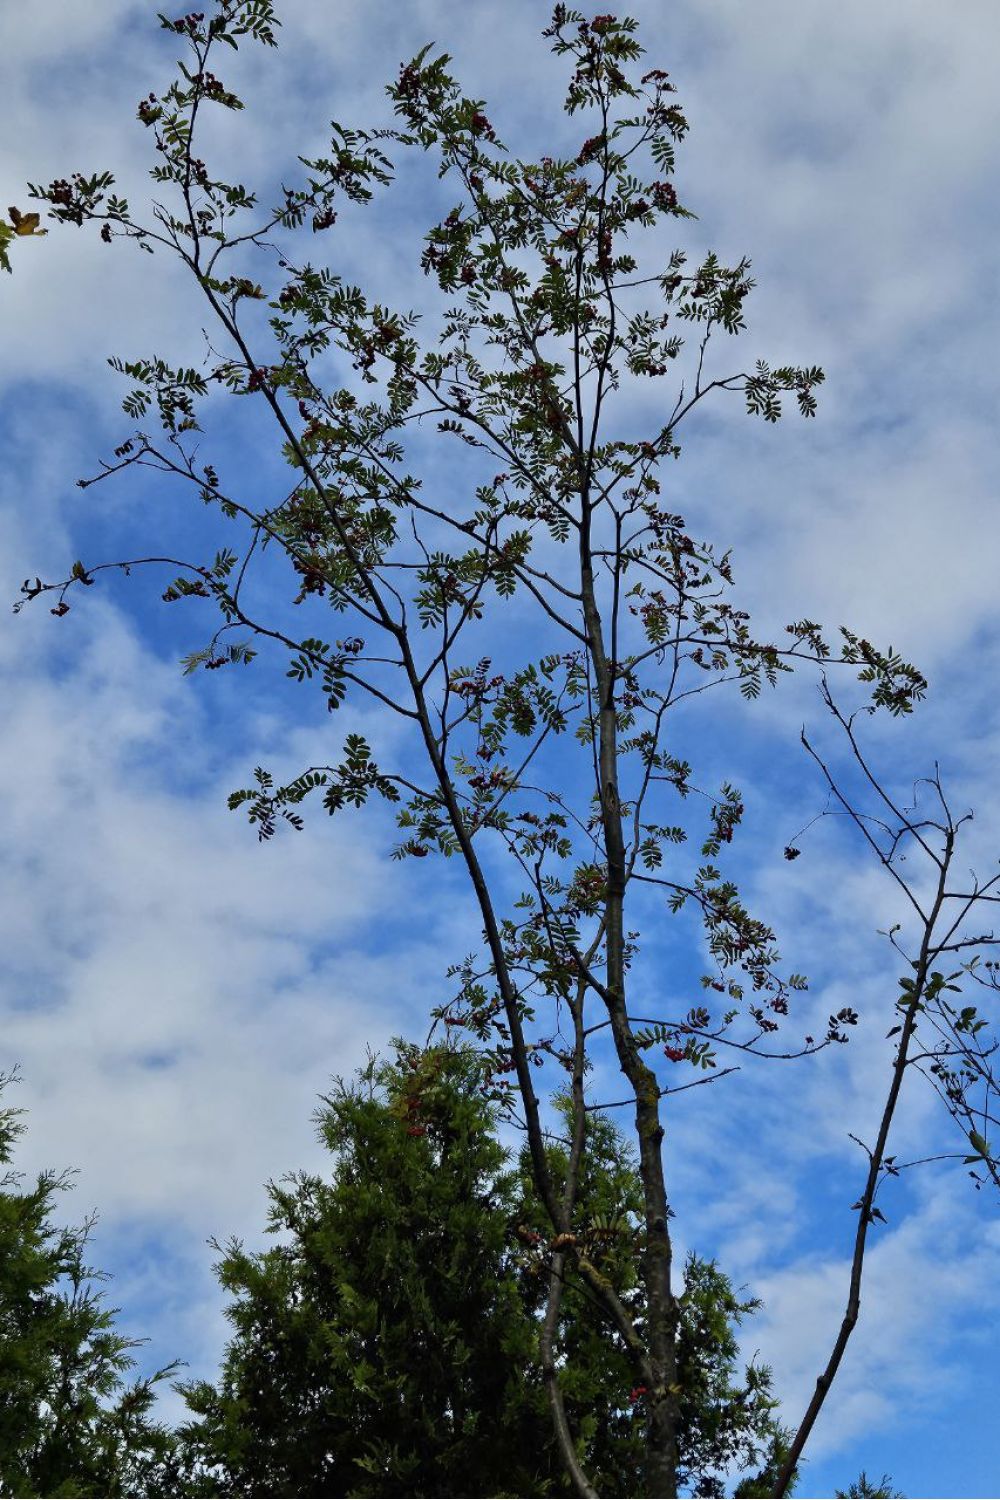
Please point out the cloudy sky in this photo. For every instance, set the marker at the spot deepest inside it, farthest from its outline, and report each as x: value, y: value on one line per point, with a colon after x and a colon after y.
x: 177, y: 997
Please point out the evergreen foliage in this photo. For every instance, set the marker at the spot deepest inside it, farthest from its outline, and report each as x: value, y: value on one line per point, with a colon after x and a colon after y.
x: 863, y: 1488
x: 70, y: 1423
x: 388, y: 1343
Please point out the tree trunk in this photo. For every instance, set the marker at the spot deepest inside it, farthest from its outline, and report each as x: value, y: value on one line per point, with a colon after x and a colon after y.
x: 661, y: 1466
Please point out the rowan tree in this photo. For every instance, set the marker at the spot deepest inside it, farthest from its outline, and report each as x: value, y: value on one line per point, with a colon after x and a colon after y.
x: 537, y: 624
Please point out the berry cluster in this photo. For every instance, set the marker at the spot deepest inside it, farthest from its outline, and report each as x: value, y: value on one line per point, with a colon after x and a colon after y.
x: 71, y: 198
x: 187, y: 25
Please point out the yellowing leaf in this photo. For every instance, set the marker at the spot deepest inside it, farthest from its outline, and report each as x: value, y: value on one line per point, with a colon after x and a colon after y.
x: 25, y: 224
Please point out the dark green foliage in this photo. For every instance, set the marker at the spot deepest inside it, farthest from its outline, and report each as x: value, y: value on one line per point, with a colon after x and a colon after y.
x: 388, y: 1344
x: 381, y: 1348
x: 69, y: 1423
x: 864, y: 1488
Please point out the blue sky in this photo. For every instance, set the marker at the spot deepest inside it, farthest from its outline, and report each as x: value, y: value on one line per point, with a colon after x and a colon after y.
x: 177, y: 997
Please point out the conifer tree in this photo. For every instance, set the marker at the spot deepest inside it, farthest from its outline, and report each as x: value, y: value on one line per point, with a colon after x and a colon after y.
x: 388, y: 1343
x: 70, y: 1422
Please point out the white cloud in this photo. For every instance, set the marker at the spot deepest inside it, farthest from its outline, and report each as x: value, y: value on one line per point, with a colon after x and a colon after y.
x: 162, y: 1000
x: 940, y: 1265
